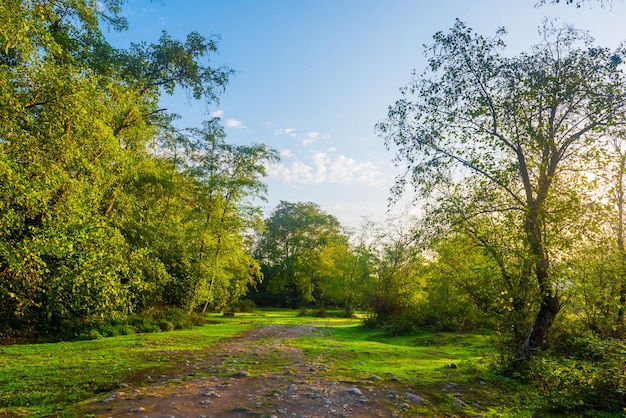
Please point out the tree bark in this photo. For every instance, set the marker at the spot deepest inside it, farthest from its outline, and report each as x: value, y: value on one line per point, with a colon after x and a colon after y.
x: 550, y: 307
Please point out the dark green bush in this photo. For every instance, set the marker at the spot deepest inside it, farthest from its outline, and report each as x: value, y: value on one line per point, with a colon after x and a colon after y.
x: 244, y: 305
x: 166, y: 325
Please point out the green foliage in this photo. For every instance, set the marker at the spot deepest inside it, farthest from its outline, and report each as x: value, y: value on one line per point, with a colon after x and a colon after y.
x: 298, y: 251
x: 594, y: 382
x: 243, y: 305
x: 105, y: 209
x: 152, y: 320
x: 493, y: 142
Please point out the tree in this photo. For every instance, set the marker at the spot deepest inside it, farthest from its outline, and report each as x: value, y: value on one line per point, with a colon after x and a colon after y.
x: 291, y: 251
x: 463, y: 288
x: 350, y: 266
x: 399, y: 263
x: 228, y: 177
x: 76, y: 240
x: 500, y: 137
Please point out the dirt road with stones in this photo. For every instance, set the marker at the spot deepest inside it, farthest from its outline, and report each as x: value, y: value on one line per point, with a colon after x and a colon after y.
x: 224, y: 383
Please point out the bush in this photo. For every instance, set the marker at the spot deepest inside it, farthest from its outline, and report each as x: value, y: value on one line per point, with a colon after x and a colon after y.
x: 243, y: 305
x: 321, y: 313
x: 93, y: 335
x: 592, y: 379
x: 393, y: 325
x: 166, y: 326
x: 153, y: 320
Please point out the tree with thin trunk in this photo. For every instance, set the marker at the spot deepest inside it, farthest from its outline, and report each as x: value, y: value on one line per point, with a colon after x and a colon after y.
x: 509, y: 136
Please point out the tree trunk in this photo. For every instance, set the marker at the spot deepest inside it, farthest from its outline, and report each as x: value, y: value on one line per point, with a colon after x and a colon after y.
x: 622, y: 304
x: 620, y: 235
x: 550, y: 307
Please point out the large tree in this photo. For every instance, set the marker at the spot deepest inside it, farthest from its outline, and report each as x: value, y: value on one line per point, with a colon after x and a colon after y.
x: 501, y: 139
x: 97, y: 216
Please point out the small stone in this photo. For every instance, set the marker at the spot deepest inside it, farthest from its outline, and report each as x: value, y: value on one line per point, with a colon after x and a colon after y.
x: 450, y: 365
x: 403, y: 406
x: 373, y: 378
x: 241, y: 409
x: 109, y: 399
x: 414, y: 398
x: 392, y: 394
x: 206, y: 402
x: 458, y: 402
x: 242, y: 373
x: 140, y: 409
x: 355, y: 391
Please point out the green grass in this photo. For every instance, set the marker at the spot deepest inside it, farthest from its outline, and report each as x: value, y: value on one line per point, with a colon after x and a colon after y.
x: 53, y: 379
x: 41, y: 379
x: 46, y: 379
x: 362, y: 351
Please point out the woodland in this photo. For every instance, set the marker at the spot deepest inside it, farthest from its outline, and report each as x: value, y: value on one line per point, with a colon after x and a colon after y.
x: 109, y: 212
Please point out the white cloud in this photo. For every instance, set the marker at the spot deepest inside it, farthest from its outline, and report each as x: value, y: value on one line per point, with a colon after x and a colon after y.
x: 285, y: 131
x: 310, y: 138
x: 306, y: 138
x: 217, y: 114
x: 234, y: 123
x: 286, y: 153
x: 325, y: 169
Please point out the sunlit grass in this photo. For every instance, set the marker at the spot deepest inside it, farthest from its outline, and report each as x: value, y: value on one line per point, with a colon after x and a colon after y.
x: 362, y: 352
x: 51, y: 379
x: 42, y: 378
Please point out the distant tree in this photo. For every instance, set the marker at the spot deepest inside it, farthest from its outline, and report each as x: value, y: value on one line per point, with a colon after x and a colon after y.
x: 297, y: 237
x: 495, y: 138
x: 397, y: 270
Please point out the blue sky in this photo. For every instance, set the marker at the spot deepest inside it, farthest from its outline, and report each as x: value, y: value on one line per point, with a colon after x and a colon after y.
x: 313, y: 77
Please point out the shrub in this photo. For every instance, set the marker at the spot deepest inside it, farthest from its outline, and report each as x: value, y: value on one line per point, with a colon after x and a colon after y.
x: 594, y: 378
x: 94, y: 335
x: 243, y: 305
x: 166, y: 325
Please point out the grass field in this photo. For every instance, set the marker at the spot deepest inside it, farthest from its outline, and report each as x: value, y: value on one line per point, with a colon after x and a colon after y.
x: 53, y: 379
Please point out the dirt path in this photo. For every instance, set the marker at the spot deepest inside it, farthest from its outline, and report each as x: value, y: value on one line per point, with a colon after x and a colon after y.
x: 232, y: 380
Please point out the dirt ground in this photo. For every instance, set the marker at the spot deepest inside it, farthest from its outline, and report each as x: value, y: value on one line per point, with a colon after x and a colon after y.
x: 231, y: 380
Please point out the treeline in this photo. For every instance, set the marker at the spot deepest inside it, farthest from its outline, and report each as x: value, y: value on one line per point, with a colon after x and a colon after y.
x: 106, y: 208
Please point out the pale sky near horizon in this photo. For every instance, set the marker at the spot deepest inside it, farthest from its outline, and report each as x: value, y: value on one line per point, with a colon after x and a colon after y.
x: 313, y: 77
